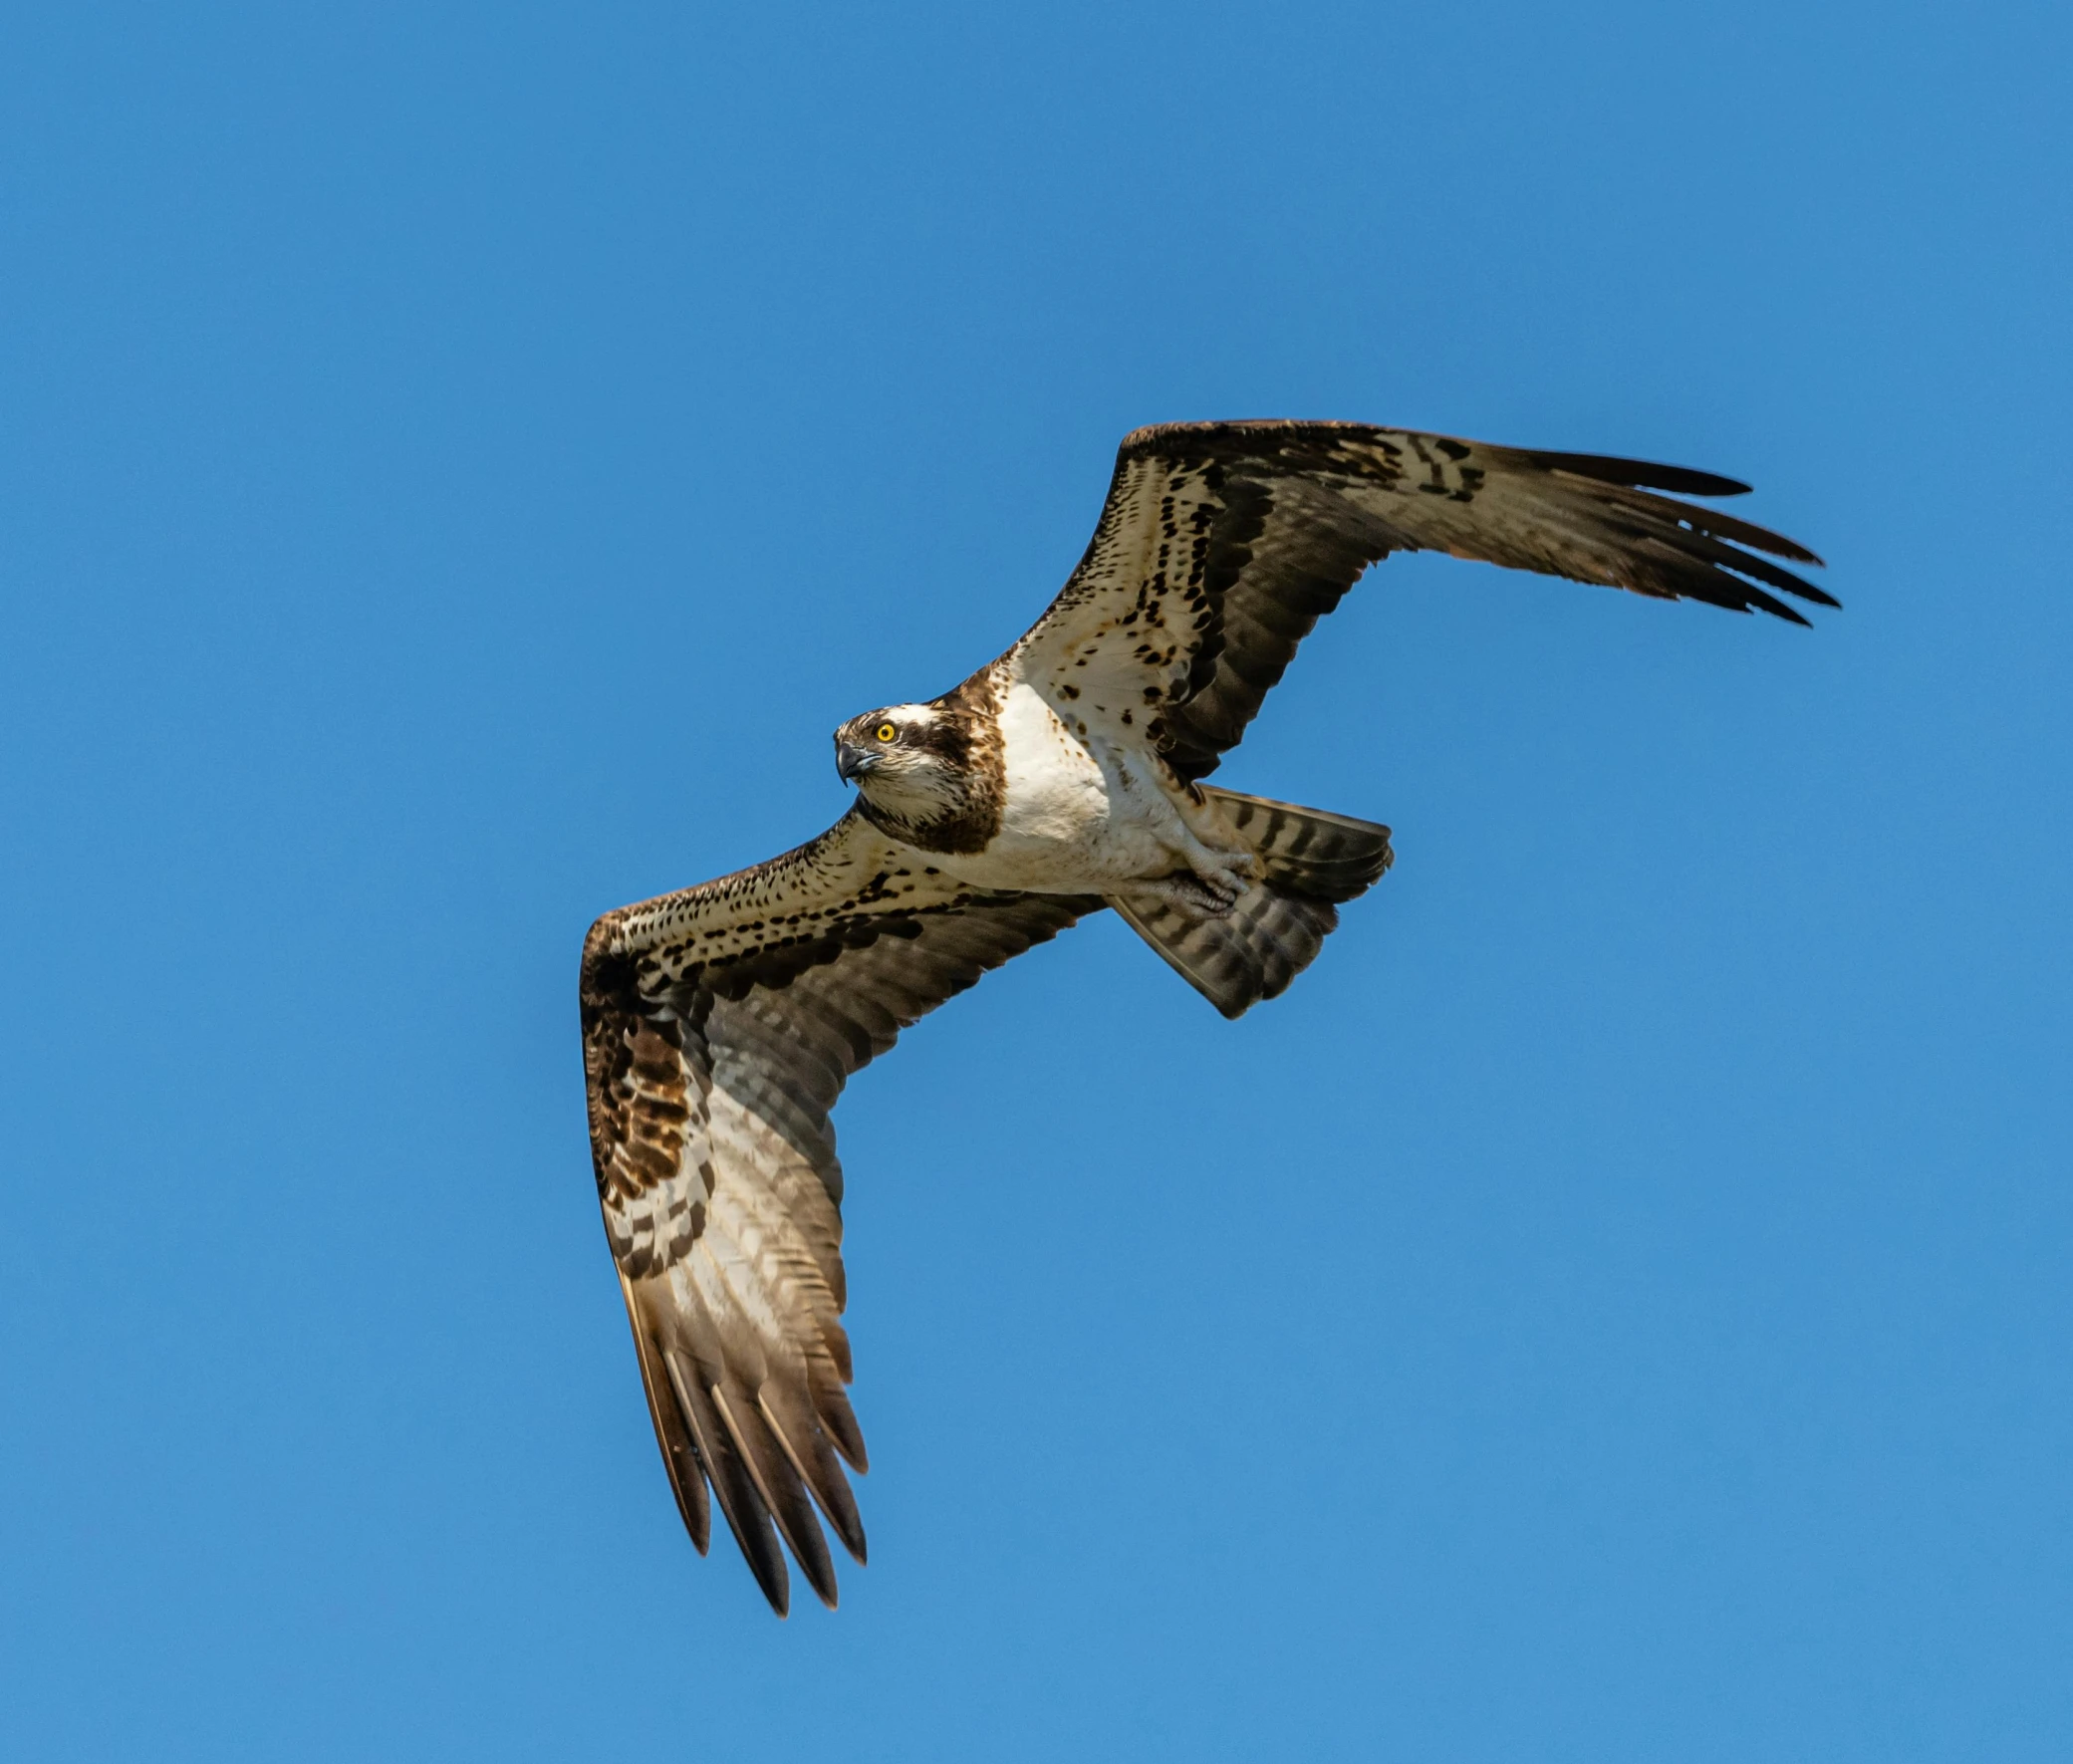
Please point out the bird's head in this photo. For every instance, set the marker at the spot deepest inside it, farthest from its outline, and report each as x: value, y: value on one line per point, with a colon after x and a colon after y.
x: 911, y: 763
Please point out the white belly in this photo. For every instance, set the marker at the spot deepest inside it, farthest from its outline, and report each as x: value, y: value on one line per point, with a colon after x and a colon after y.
x: 1078, y: 817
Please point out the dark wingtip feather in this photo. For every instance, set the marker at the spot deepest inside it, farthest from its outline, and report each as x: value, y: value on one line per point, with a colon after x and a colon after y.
x: 1808, y: 592
x: 1722, y: 526
x: 673, y: 1433
x: 813, y: 1457
x: 780, y: 1492
x: 832, y: 1405
x: 1763, y: 569
x: 733, y: 1484
x: 1709, y: 524
x: 1640, y: 474
x: 1776, y: 608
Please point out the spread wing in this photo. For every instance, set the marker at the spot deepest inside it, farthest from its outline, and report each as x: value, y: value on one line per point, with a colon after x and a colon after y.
x: 1222, y: 544
x: 719, y: 1025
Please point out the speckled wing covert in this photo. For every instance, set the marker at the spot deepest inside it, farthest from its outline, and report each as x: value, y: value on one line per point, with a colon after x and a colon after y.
x: 719, y: 1025
x: 1222, y: 544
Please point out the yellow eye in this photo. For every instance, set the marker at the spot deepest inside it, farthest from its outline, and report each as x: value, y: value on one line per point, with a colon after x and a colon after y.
x: 887, y: 732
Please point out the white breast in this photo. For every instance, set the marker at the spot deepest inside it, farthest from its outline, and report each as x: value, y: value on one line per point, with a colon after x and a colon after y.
x: 1074, y: 818
x: 1056, y: 792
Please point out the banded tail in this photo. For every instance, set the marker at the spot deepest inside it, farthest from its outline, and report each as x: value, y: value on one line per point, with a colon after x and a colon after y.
x: 1310, y: 860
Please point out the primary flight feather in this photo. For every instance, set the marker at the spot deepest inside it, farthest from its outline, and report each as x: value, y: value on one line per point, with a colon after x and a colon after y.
x: 719, y: 1024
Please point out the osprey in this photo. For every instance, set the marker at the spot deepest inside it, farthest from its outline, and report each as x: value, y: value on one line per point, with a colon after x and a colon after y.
x: 719, y: 1024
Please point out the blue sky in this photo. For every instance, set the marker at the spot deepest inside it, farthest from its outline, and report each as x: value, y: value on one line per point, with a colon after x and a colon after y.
x: 457, y: 465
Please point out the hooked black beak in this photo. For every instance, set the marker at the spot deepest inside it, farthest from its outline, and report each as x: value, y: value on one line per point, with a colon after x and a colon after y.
x: 852, y: 762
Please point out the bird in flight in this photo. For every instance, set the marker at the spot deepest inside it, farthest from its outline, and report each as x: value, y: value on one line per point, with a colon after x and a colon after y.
x: 719, y: 1024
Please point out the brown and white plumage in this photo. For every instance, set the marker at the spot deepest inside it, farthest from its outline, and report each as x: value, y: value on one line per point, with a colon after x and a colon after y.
x: 1221, y: 544
x: 719, y: 1024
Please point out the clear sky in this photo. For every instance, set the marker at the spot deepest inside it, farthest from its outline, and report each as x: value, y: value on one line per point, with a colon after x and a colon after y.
x: 457, y: 463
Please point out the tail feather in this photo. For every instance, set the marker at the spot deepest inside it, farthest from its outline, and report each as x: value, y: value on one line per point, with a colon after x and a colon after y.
x: 1309, y: 860
x: 1308, y: 850
x: 1237, y: 958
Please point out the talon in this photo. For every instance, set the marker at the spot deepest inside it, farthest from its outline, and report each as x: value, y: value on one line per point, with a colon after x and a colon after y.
x: 1228, y: 882
x: 1195, y: 891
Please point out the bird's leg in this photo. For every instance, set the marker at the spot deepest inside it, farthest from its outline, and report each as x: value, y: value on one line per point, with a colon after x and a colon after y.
x: 1215, y: 875
x: 1189, y: 890
x: 1222, y: 874
x: 1212, y: 882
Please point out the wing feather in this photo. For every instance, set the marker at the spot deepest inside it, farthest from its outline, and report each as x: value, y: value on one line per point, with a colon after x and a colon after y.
x: 719, y: 1028
x: 1222, y: 545
x: 672, y: 1431
x: 723, y: 1464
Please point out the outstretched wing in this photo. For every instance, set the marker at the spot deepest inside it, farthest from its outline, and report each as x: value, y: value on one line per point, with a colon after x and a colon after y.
x: 719, y: 1025
x: 1222, y: 544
